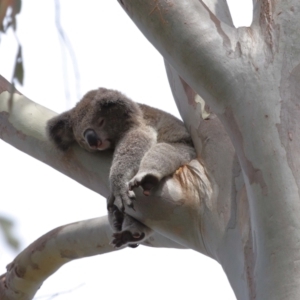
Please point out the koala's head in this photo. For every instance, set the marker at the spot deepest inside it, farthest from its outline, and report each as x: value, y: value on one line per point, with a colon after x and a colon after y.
x: 97, y: 122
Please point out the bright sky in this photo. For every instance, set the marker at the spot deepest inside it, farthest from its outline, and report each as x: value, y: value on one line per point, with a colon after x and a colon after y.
x: 110, y: 52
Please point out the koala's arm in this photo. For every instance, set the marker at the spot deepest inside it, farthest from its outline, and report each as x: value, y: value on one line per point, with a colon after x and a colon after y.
x: 161, y: 160
x: 128, y: 155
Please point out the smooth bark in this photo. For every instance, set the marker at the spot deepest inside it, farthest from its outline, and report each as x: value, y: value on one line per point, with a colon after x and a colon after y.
x: 46, y: 255
x: 249, y: 77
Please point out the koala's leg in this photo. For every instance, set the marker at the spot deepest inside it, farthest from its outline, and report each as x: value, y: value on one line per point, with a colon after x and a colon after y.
x: 133, y: 233
x: 128, y: 231
x: 161, y: 160
x: 115, y: 217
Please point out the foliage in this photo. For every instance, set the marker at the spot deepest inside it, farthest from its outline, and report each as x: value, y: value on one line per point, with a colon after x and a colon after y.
x: 6, y: 227
x: 8, y: 11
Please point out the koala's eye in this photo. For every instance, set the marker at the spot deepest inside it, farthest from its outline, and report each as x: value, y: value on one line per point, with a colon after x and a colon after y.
x: 101, y: 122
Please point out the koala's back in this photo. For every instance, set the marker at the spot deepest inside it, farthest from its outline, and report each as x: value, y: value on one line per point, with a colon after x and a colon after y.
x: 169, y: 129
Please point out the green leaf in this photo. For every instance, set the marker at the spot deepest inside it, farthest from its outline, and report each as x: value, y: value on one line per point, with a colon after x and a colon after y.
x: 6, y: 226
x: 19, y: 68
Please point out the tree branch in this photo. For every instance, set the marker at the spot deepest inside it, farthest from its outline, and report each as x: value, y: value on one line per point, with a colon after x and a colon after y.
x: 22, y: 124
x: 46, y: 255
x: 193, y: 40
x: 42, y: 258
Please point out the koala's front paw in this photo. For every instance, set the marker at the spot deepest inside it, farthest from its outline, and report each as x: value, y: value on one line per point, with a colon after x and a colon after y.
x: 127, y: 238
x: 120, y: 199
x: 146, y: 181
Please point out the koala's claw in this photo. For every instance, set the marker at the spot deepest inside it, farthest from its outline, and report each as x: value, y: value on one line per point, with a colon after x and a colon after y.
x: 133, y: 183
x: 120, y: 200
x: 146, y: 181
x: 123, y: 200
x: 126, y: 238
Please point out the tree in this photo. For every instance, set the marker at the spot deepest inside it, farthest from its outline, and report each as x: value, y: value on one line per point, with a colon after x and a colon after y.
x: 242, y: 205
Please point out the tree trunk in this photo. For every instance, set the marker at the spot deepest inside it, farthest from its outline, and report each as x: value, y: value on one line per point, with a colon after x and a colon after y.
x: 249, y: 77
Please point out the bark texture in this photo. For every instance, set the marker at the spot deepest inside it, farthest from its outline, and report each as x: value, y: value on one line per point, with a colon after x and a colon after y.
x: 46, y: 255
x: 249, y: 77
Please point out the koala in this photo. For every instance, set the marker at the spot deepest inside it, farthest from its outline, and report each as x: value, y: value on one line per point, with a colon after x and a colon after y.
x: 148, y: 145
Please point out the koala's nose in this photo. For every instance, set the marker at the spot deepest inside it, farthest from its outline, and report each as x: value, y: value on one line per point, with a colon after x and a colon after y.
x: 92, y: 138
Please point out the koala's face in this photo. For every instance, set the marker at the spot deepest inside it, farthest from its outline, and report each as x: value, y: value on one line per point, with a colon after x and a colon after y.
x: 97, y: 122
x: 91, y: 125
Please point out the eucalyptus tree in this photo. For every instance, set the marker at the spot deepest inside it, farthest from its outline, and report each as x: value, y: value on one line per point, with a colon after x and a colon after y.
x: 238, y: 93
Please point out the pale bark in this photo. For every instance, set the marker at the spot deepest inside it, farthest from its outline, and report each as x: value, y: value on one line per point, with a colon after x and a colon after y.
x: 33, y: 265
x: 250, y: 78
x: 42, y: 258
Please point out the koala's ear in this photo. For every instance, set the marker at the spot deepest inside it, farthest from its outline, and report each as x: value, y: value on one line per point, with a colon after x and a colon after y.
x: 60, y: 132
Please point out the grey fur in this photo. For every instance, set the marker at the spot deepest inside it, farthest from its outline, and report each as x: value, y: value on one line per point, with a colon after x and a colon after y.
x: 148, y: 144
